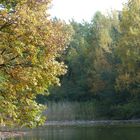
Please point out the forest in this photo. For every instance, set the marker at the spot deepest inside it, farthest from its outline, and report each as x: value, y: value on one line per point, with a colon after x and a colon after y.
x: 103, y: 60
x: 48, y: 60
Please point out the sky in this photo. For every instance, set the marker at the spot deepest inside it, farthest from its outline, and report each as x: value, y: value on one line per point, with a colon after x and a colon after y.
x: 83, y: 9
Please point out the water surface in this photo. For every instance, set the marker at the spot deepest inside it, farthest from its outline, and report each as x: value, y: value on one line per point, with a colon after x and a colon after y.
x: 83, y: 132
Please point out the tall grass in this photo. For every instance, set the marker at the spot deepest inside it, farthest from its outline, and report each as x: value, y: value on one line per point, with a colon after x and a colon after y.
x: 62, y: 111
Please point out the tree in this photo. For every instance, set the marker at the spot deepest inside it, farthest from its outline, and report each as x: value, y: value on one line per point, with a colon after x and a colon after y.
x: 102, y: 72
x: 74, y: 83
x: 30, y: 46
x: 129, y: 49
x: 96, y: 59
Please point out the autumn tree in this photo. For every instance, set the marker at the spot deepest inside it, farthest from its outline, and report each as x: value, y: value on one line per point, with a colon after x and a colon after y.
x: 102, y: 70
x: 129, y: 49
x: 30, y: 46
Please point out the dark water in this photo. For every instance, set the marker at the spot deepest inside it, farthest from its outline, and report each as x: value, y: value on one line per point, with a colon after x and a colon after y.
x: 83, y: 133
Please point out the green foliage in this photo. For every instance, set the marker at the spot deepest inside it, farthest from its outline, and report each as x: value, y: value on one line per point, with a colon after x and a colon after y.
x: 129, y: 49
x: 103, y: 61
x: 103, y: 64
x: 91, y: 60
x: 30, y: 46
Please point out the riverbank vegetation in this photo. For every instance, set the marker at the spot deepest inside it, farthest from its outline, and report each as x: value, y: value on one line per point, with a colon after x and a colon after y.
x: 102, y: 58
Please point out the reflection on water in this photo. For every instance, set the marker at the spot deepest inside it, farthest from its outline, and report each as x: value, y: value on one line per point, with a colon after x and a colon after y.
x: 83, y: 133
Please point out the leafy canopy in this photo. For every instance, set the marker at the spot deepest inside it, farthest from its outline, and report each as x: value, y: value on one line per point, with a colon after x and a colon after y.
x: 129, y: 48
x: 30, y: 46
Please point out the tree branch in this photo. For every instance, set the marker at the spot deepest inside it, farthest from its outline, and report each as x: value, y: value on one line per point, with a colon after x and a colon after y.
x: 3, y: 51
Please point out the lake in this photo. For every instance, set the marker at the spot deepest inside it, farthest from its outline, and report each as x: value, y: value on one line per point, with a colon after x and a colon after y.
x: 83, y: 132
x: 80, y: 125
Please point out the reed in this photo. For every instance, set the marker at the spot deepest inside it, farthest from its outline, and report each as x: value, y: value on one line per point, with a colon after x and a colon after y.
x: 70, y: 111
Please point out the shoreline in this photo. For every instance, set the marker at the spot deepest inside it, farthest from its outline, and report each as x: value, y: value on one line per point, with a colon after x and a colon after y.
x: 19, y: 133
x: 92, y: 122
x: 10, y: 134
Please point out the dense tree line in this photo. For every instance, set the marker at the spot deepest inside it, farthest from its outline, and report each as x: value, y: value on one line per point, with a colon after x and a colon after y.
x: 103, y: 61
